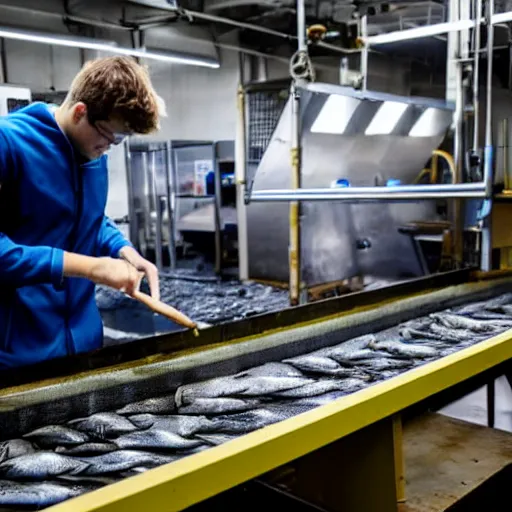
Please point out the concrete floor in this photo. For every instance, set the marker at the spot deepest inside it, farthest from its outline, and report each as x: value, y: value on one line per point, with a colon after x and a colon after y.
x: 473, y: 407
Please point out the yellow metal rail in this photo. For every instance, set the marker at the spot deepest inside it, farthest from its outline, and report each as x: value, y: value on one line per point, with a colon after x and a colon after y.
x: 195, y: 478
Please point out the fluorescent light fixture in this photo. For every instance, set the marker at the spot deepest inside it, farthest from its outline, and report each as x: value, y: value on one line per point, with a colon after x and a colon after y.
x: 105, y: 46
x: 427, y: 125
x: 418, y: 32
x: 386, y: 118
x: 502, y: 17
x: 335, y: 114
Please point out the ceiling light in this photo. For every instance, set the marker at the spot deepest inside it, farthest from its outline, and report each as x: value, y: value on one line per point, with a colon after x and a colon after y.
x: 386, y: 118
x: 105, y: 46
x: 425, y: 31
x: 335, y: 114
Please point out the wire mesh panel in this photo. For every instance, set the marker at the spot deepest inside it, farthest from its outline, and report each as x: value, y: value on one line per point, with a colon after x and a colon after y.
x: 265, y: 103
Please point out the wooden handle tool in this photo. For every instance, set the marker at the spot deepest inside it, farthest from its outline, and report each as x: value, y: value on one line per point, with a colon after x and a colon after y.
x: 165, y: 310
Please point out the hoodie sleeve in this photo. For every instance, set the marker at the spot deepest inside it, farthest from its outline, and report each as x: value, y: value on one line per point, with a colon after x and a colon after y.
x: 22, y: 265
x: 110, y: 239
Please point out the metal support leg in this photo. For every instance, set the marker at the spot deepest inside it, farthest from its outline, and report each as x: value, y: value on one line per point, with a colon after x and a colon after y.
x: 491, y: 403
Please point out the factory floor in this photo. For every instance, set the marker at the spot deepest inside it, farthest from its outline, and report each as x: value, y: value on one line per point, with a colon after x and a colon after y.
x: 473, y: 407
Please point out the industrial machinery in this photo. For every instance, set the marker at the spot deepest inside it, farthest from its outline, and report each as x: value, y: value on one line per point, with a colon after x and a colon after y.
x: 365, y: 139
x: 362, y: 430
x: 181, y: 195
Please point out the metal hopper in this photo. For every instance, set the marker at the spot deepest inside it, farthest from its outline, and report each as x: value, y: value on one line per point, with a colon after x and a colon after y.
x: 366, y: 138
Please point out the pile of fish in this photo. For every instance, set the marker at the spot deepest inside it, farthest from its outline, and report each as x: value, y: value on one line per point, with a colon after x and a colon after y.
x: 221, y: 301
x: 57, y: 462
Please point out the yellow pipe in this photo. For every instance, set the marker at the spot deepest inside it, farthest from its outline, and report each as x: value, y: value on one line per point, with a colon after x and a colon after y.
x: 451, y: 163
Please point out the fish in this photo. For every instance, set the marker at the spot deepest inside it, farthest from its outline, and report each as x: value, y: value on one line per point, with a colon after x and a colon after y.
x: 15, y: 448
x: 236, y: 387
x: 178, y: 424
x: 158, y: 405
x: 245, y: 422
x: 216, y: 439
x: 319, y: 364
x: 83, y: 479
x: 505, y: 309
x: 40, y: 466
x: 220, y: 405
x: 123, y: 460
x: 104, y: 425
x: 86, y: 448
x: 321, y: 387
x: 453, y: 335
x: 437, y: 332
x: 462, y: 322
x: 273, y: 369
x: 156, y: 439
x: 407, y: 350
x: 379, y: 365
x: 318, y: 400
x: 56, y: 435
x: 351, y: 358
x: 489, y: 315
x: 352, y: 350
x: 37, y: 494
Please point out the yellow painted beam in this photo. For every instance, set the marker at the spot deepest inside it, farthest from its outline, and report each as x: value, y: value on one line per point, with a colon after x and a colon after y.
x: 190, y: 480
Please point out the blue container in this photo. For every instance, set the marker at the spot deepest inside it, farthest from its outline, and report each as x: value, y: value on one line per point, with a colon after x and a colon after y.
x: 393, y: 183
x: 341, y: 183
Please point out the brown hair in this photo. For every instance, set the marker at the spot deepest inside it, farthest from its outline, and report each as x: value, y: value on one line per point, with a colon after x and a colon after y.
x: 117, y: 87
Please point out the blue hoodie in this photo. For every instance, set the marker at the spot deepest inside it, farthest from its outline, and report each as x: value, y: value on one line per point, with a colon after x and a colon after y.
x: 49, y: 204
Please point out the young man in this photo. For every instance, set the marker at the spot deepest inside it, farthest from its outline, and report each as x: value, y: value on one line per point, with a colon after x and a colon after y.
x: 55, y: 240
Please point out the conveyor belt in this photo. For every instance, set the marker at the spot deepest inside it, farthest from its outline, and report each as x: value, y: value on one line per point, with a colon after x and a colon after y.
x: 26, y: 409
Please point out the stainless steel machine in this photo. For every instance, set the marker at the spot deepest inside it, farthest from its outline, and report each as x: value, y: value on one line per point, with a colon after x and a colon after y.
x: 357, y: 140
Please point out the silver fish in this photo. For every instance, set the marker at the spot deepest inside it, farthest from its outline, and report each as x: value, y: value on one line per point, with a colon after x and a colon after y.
x: 123, y: 460
x: 156, y: 439
x: 40, y: 466
x: 86, y: 448
x: 182, y: 425
x: 489, y: 315
x: 104, y: 424
x: 379, y: 365
x: 319, y: 364
x: 216, y: 439
x: 351, y: 358
x: 321, y: 387
x: 436, y: 332
x: 405, y: 349
x: 158, y: 405
x: 462, y: 322
x: 348, y: 347
x: 86, y: 479
x: 56, y: 435
x: 38, y: 495
x: 236, y: 387
x: 15, y: 448
x: 318, y: 400
x: 221, y: 405
x: 271, y: 370
x: 453, y: 335
x: 505, y: 310
x: 245, y: 422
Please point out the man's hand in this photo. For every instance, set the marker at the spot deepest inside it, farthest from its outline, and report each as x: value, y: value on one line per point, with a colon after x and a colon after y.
x: 123, y: 274
x: 146, y: 267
